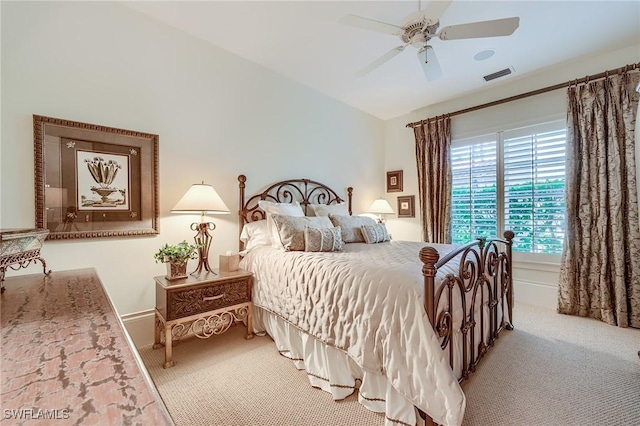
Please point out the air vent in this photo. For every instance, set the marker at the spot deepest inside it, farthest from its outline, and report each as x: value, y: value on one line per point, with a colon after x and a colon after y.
x: 499, y: 74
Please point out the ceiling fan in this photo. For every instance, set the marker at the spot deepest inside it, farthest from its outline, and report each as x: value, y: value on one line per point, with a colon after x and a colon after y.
x: 421, y: 26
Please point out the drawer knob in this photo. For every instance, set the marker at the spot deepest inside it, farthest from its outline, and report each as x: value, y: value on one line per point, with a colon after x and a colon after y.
x: 207, y: 299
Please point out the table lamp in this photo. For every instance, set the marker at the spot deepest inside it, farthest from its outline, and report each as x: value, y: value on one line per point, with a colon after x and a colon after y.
x: 381, y: 207
x: 201, y: 198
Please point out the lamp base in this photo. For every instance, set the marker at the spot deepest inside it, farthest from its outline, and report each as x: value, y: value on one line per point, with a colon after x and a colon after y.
x: 203, y: 240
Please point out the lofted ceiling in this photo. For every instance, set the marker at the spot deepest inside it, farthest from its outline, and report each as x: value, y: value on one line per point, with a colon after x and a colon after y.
x: 304, y: 41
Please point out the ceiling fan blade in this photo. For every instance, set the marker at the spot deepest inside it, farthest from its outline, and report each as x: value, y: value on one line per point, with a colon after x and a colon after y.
x: 495, y: 28
x: 381, y: 60
x: 370, y: 24
x: 435, y: 9
x: 430, y: 64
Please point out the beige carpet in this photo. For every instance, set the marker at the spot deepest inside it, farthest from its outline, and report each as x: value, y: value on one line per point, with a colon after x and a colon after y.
x: 552, y: 370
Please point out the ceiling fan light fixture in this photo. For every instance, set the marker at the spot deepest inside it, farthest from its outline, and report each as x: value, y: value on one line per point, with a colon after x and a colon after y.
x: 483, y: 55
x: 418, y: 40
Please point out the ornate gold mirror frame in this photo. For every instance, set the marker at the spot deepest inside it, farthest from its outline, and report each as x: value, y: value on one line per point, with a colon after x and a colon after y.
x: 94, y: 181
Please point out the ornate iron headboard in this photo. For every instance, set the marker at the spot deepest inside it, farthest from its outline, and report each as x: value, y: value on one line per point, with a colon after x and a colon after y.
x: 305, y: 191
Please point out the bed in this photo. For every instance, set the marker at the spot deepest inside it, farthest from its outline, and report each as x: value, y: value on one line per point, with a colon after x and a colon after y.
x: 403, y: 323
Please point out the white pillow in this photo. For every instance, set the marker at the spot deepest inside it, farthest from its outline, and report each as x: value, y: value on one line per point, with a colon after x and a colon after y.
x: 255, y: 234
x: 350, y: 226
x: 327, y: 209
x: 270, y: 208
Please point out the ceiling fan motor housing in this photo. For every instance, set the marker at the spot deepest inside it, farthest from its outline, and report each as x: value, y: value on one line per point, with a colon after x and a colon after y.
x: 418, y: 29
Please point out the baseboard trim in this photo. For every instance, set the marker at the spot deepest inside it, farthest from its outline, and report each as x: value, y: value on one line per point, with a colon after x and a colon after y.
x: 140, y: 327
x: 536, y: 293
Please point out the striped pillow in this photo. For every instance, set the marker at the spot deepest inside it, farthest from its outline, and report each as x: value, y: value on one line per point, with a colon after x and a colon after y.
x: 375, y: 233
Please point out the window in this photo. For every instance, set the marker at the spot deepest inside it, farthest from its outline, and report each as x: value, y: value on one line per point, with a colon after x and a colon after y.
x: 511, y: 180
x: 474, y: 181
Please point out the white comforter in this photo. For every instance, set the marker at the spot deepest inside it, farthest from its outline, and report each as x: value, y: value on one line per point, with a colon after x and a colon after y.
x: 367, y: 301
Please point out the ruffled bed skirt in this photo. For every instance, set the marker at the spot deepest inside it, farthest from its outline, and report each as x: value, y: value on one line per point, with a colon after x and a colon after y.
x: 333, y: 371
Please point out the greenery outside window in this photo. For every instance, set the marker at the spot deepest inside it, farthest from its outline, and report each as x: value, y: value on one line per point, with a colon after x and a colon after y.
x: 514, y: 180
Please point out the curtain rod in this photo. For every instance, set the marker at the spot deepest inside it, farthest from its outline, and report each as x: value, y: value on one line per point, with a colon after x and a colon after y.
x: 532, y: 93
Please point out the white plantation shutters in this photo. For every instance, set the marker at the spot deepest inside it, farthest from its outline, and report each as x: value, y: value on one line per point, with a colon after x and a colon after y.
x: 474, y: 211
x: 511, y: 180
x: 534, y: 192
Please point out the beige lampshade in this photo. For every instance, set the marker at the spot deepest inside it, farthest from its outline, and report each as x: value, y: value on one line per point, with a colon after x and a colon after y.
x: 201, y: 198
x: 381, y: 206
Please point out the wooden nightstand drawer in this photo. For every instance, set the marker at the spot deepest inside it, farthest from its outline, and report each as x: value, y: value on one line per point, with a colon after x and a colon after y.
x: 208, y: 297
x: 203, y: 293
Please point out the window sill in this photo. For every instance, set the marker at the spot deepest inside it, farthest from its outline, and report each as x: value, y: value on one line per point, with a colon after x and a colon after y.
x: 537, y: 262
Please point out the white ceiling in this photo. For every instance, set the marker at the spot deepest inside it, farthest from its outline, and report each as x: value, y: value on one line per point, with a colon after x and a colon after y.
x: 304, y: 41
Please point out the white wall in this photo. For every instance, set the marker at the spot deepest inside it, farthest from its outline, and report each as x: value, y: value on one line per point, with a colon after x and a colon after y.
x: 536, y: 278
x: 217, y: 116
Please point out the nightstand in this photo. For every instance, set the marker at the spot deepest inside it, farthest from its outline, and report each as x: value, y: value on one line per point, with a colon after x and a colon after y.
x: 205, y: 304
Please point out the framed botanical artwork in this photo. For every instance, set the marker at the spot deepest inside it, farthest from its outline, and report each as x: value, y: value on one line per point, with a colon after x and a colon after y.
x: 394, y: 181
x: 406, y: 206
x: 94, y: 181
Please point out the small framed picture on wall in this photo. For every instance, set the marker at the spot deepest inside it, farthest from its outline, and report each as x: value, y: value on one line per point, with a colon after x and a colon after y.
x: 406, y: 206
x: 394, y: 181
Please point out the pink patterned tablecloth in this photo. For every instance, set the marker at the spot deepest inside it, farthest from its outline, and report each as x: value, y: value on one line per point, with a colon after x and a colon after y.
x: 66, y: 358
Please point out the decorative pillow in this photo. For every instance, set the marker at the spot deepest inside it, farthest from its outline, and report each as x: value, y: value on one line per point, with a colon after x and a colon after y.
x: 271, y: 208
x: 326, y: 239
x: 375, y: 233
x: 351, y: 232
x: 327, y: 209
x: 255, y: 234
x: 291, y: 229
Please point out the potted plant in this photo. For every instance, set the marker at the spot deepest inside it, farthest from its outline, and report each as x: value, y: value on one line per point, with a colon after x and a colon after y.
x: 176, y: 257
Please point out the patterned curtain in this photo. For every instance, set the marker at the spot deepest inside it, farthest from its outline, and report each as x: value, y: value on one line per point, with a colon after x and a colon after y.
x: 600, y: 272
x: 433, y: 146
